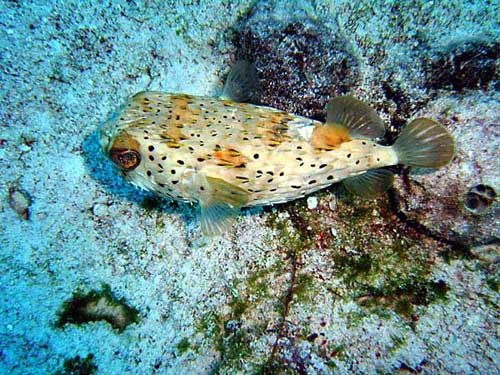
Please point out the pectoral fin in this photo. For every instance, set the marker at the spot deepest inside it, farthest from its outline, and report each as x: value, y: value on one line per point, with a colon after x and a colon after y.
x: 242, y: 84
x: 219, y: 204
x: 371, y: 183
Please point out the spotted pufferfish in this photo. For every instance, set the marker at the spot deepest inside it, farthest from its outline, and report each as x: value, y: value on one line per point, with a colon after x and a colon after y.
x: 225, y: 153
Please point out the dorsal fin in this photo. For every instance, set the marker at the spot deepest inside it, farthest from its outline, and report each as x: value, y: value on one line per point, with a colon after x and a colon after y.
x: 242, y: 84
x: 219, y: 202
x: 361, y: 120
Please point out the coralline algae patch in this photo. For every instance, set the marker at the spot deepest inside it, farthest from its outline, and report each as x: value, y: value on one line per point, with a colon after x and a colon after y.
x: 407, y: 283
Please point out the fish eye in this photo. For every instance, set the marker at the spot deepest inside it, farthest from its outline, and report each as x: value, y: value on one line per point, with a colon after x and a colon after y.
x: 125, y: 159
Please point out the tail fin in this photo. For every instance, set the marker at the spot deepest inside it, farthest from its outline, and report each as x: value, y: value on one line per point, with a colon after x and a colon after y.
x: 424, y: 143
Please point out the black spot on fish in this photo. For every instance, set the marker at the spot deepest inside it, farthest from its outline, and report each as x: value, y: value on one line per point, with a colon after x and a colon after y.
x: 151, y: 157
x: 299, y: 147
x: 270, y: 180
x: 161, y: 185
x: 160, y: 166
x: 200, y: 159
x: 172, y: 171
x: 270, y: 173
x: 295, y: 186
x: 357, y: 162
x: 329, y: 177
x: 255, y: 156
x: 202, y: 188
x: 312, y: 182
x: 164, y: 157
x: 313, y: 165
x: 148, y: 173
x: 175, y: 182
x: 322, y: 166
x: 348, y: 156
x: 363, y: 143
x: 282, y: 173
x: 177, y: 117
x: 273, y: 190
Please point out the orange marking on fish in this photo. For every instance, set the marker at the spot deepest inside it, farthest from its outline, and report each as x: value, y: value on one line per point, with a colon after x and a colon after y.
x: 329, y: 137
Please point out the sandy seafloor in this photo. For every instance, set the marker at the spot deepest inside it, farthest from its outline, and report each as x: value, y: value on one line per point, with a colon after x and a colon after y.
x: 68, y: 222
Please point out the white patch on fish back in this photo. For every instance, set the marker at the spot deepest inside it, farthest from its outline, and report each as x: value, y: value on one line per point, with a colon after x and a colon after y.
x: 303, y: 126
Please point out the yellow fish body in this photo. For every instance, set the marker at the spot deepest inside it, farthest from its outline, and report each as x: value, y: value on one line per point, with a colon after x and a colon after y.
x: 225, y: 154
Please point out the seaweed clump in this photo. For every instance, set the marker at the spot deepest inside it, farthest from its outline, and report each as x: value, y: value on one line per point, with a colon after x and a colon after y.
x: 78, y: 366
x: 95, y: 306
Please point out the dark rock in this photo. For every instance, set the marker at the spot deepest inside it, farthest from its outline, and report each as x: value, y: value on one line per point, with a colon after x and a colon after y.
x: 301, y: 64
x: 470, y: 65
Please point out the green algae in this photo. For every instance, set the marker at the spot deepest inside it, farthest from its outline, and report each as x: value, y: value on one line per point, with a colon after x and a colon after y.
x: 493, y: 284
x: 233, y: 333
x: 304, y: 290
x: 183, y: 345
x: 78, y: 366
x: 151, y: 203
x: 96, y: 305
x: 384, y: 264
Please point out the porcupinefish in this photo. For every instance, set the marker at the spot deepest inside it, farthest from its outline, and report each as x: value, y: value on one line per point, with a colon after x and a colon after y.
x: 226, y: 154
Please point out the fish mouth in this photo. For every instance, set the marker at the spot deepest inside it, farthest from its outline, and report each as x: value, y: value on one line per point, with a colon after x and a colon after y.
x: 105, y: 135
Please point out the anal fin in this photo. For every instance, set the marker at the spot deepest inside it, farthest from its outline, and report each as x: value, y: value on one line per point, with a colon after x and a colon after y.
x: 371, y: 183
